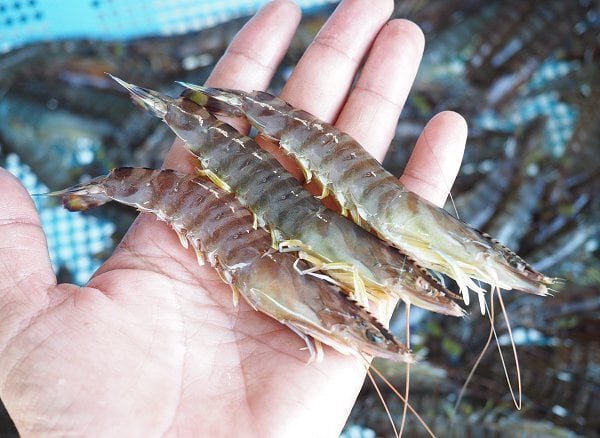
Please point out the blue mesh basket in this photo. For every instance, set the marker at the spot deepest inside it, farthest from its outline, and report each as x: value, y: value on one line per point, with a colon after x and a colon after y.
x: 29, y: 21
x: 74, y: 239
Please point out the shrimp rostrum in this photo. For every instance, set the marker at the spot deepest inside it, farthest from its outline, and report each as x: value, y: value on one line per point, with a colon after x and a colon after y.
x: 359, y: 261
x: 375, y: 198
x: 216, y: 225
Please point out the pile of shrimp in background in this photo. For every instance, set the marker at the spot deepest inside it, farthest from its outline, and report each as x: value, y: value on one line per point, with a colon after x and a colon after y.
x: 528, y: 178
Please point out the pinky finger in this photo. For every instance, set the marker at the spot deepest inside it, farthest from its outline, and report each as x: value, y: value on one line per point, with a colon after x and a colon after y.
x: 434, y: 163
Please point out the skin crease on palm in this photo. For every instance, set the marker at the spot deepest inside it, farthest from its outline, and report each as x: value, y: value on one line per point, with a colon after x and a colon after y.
x: 153, y: 345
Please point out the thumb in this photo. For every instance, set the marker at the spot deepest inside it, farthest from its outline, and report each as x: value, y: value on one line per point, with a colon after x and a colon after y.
x: 25, y: 270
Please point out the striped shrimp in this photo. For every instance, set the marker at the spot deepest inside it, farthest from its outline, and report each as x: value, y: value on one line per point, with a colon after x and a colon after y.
x: 359, y: 261
x: 216, y: 225
x: 375, y: 198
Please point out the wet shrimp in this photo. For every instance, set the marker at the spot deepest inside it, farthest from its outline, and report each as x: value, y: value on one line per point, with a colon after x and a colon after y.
x: 375, y: 198
x: 216, y: 225
x: 297, y: 220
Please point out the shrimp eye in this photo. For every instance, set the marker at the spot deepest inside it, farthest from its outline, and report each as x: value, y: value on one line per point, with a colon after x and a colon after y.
x: 422, y: 284
x: 374, y: 336
x: 515, y: 262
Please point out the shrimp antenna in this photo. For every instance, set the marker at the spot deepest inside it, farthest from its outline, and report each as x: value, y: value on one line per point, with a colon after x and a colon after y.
x: 387, y: 383
x: 518, y: 402
x: 407, y: 378
x: 491, y: 316
x: 385, y: 406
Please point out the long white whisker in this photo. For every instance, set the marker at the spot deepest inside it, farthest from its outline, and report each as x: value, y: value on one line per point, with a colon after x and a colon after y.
x: 519, y: 403
x: 385, y: 406
x: 407, y: 378
x: 490, y: 312
x: 395, y: 391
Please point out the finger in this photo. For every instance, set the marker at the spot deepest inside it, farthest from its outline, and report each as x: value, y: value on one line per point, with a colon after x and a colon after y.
x: 434, y: 163
x: 25, y: 270
x: 371, y: 112
x: 253, y: 56
x: 320, y: 82
x: 250, y: 61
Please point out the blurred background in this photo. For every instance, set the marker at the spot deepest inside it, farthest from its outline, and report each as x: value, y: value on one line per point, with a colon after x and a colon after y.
x: 524, y: 74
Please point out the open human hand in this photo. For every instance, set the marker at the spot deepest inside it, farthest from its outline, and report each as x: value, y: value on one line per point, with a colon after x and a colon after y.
x: 153, y: 345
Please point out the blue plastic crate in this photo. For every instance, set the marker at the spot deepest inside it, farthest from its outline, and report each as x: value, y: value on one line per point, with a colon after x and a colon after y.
x: 29, y: 21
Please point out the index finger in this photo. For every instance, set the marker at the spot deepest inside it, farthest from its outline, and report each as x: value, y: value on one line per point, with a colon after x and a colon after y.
x: 249, y: 63
x: 322, y: 78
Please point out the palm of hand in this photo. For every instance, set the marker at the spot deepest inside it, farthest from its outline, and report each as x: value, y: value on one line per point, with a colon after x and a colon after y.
x: 154, y: 344
x: 158, y: 337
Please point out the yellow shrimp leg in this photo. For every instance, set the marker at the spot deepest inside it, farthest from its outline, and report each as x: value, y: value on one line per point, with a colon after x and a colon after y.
x: 359, y: 292
x: 313, y: 346
x: 215, y: 179
x: 182, y: 238
x: 235, y: 296
x: 324, y: 193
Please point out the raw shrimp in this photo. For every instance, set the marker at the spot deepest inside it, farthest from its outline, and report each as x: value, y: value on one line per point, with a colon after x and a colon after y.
x: 215, y: 224
x: 296, y: 219
x: 375, y: 198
